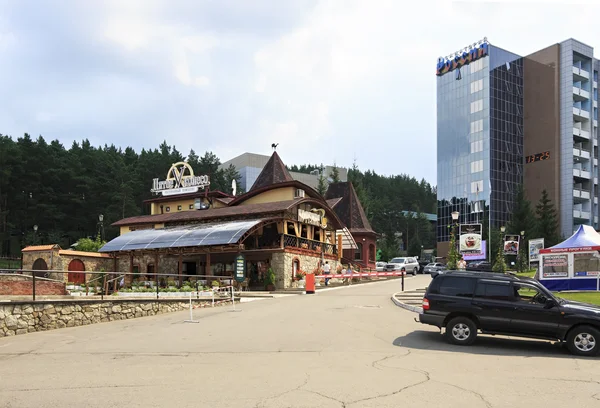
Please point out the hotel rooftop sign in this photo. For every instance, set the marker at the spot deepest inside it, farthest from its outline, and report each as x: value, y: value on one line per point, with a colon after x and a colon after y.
x: 462, y: 57
x: 180, y: 180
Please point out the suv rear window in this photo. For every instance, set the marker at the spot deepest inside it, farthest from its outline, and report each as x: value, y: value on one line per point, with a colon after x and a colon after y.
x: 457, y: 286
x: 494, y: 291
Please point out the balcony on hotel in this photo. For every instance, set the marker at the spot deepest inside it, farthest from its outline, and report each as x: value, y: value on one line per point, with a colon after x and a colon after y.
x: 580, y: 114
x: 580, y: 74
x: 580, y: 133
x: 581, y: 171
x: 580, y: 94
x: 580, y: 193
x: 581, y: 213
x: 581, y: 151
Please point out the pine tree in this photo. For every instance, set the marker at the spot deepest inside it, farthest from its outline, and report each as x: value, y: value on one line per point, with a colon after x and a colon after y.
x: 322, y: 186
x: 523, y: 218
x: 335, y: 174
x: 547, y: 221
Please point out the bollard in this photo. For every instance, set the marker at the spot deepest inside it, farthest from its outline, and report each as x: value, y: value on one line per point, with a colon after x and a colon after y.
x: 403, y: 273
x: 33, y: 285
x: 309, y: 283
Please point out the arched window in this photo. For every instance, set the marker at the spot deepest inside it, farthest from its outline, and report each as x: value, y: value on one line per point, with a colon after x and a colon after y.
x: 358, y: 252
x: 371, y: 252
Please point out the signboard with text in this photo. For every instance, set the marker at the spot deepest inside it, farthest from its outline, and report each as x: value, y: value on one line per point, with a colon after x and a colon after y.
x: 240, y: 268
x: 555, y: 266
x: 480, y: 256
x: 180, y: 180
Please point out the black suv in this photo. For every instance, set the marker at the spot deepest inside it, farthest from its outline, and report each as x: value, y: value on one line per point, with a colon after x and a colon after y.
x: 465, y: 302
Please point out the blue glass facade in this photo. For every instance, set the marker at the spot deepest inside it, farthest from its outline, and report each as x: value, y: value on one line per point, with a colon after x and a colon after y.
x: 468, y: 126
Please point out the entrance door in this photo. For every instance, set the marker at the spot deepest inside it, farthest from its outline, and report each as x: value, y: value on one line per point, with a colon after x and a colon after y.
x: 40, y: 265
x: 75, y: 268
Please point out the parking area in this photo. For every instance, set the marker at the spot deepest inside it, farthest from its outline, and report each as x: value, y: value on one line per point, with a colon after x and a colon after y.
x: 344, y: 347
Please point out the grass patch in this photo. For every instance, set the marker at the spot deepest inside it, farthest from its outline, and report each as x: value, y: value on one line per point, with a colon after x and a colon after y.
x: 591, y: 297
x: 527, y: 274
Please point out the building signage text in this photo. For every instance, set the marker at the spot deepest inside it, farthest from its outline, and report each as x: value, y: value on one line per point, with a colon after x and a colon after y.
x: 180, y: 180
x: 311, y: 218
x: 463, y: 57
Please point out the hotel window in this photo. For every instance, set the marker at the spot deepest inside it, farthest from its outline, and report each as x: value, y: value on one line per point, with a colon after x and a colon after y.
x: 178, y: 208
x: 168, y: 209
x: 476, y: 66
x: 477, y: 187
x: 477, y: 106
x: 477, y: 166
x: 477, y: 126
x: 358, y: 251
x: 477, y: 86
x: 477, y: 146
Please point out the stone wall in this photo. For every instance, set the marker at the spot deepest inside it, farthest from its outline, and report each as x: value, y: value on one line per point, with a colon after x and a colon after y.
x: 282, y: 264
x: 27, y: 317
x: 57, y: 261
x: 13, y: 284
x: 166, y: 264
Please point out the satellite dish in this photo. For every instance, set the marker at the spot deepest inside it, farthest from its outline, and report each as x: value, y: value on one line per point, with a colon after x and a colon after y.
x: 233, y: 186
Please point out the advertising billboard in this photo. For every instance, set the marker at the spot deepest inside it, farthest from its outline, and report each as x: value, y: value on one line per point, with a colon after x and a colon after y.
x: 534, y: 249
x: 470, y: 239
x: 511, y: 245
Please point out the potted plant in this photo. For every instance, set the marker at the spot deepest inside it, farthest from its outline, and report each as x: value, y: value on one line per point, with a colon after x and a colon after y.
x: 270, y: 280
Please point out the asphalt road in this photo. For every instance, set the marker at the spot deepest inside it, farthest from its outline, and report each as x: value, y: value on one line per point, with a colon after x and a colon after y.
x: 347, y: 347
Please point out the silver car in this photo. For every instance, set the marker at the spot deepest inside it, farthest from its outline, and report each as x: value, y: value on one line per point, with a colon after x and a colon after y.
x: 408, y: 265
x: 380, y: 266
x: 434, y: 267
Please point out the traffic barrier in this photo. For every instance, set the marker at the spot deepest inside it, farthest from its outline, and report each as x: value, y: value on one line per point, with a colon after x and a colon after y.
x: 358, y: 275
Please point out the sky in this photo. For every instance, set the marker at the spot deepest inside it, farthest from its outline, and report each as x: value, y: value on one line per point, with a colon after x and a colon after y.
x: 329, y: 80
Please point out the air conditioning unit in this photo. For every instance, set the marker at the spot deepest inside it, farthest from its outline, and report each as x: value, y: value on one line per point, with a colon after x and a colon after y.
x: 299, y: 193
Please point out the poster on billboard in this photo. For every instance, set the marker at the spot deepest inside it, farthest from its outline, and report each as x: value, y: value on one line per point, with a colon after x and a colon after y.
x: 534, y: 249
x: 586, y: 265
x: 470, y: 238
x: 511, y: 245
x: 481, y: 256
x: 555, y: 266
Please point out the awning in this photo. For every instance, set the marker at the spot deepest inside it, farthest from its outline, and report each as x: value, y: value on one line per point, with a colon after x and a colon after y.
x: 584, y: 239
x: 348, y: 241
x: 222, y: 233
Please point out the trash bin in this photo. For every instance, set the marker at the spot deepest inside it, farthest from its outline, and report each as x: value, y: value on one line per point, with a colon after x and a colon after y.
x: 309, y: 283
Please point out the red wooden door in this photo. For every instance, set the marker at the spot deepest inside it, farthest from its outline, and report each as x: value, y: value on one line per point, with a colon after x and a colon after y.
x: 76, y: 266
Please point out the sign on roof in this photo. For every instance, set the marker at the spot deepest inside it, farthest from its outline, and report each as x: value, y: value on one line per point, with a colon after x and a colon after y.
x: 180, y: 180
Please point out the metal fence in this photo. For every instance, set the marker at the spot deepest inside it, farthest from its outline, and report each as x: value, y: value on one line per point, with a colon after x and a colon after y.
x: 10, y: 263
x: 130, y: 284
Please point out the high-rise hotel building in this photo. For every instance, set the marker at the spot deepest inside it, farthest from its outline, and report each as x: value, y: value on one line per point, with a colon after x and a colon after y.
x: 505, y: 120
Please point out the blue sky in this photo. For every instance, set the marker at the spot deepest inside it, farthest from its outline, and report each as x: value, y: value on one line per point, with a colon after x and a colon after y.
x: 329, y: 80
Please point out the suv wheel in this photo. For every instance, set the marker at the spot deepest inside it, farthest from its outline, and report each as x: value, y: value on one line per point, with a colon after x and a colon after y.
x: 584, y: 341
x: 415, y: 271
x: 461, y: 330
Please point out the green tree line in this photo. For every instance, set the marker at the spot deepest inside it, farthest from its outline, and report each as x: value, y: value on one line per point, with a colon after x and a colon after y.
x: 64, y: 190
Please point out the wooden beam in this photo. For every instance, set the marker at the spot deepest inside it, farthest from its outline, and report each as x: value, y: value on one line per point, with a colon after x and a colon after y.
x: 180, y: 268
x: 339, y: 247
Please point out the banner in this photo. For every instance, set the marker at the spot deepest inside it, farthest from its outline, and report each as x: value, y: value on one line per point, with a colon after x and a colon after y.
x: 470, y: 239
x: 534, y: 249
x: 479, y: 256
x: 555, y: 266
x: 511, y: 245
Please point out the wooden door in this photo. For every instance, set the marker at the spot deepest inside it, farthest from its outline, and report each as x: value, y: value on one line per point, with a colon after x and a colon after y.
x: 75, y: 268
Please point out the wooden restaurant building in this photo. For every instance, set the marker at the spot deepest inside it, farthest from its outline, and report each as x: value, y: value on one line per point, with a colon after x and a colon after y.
x: 280, y: 224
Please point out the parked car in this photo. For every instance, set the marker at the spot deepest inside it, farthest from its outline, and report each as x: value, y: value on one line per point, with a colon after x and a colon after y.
x: 480, y: 266
x: 465, y: 302
x: 380, y: 266
x: 434, y: 267
x: 408, y: 264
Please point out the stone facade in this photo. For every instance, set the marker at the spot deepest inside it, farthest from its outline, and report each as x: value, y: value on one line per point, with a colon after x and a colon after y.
x: 166, y: 264
x: 12, y: 284
x: 57, y: 259
x: 283, y: 265
x: 27, y: 317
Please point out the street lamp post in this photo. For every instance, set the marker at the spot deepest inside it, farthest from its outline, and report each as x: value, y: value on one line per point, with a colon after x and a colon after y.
x: 452, y: 253
x: 101, y: 226
x: 35, y: 229
x: 521, y: 261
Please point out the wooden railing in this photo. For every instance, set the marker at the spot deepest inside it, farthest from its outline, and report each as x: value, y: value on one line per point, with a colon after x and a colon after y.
x: 312, y: 245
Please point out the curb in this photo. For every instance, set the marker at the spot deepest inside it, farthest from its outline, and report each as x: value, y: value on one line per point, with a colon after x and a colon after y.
x: 414, y: 309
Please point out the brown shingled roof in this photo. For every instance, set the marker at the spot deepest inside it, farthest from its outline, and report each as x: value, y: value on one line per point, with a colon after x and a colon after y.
x: 40, y: 248
x: 348, y: 207
x: 274, y: 172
